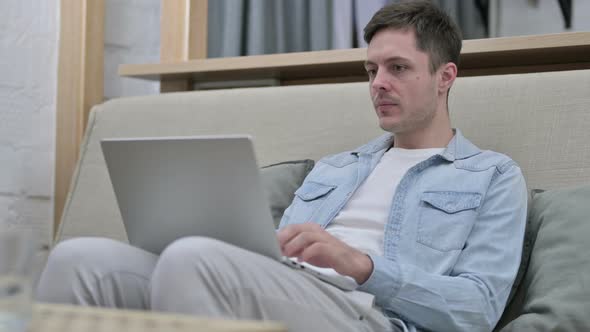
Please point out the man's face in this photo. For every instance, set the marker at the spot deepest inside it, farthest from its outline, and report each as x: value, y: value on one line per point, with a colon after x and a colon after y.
x: 403, y: 90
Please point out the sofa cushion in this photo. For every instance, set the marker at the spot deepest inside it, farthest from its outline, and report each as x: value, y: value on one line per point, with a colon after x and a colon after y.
x: 555, y: 288
x: 526, y: 247
x: 280, y: 182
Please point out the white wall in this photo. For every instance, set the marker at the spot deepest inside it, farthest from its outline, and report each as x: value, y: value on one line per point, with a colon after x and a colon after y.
x: 132, y: 35
x: 29, y: 32
x: 534, y: 17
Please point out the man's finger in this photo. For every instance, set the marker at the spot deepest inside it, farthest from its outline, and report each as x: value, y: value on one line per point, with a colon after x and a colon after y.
x: 287, y: 233
x: 300, y: 242
x: 317, y: 254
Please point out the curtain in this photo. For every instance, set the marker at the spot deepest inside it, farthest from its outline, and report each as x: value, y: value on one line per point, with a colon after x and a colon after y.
x: 470, y: 15
x: 252, y: 27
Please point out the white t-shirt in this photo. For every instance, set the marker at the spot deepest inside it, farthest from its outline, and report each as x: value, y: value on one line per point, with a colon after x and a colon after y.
x: 361, y: 222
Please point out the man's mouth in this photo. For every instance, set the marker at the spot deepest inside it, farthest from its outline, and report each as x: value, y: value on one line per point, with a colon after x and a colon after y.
x: 384, y: 101
x: 386, y: 104
x: 386, y: 108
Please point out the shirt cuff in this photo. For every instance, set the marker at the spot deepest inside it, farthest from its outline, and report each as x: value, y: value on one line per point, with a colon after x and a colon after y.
x: 385, y: 280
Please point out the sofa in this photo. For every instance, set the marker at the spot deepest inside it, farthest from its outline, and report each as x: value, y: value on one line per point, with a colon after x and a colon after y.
x: 541, y: 120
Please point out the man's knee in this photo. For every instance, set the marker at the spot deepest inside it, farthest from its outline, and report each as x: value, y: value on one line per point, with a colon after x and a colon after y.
x: 193, y: 275
x: 74, y: 252
x: 194, y: 248
x: 56, y: 283
x: 189, y: 258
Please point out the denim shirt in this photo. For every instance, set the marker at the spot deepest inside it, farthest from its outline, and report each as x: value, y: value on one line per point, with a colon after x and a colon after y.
x: 453, y: 239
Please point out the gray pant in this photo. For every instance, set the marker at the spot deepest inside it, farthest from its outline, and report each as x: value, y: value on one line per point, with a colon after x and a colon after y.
x: 200, y: 276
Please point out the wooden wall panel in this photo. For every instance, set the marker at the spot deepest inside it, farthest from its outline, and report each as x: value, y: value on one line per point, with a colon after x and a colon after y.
x: 183, y: 36
x: 80, y: 86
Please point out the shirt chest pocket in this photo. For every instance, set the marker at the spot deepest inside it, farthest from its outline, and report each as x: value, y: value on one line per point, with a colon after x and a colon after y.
x: 309, y: 198
x: 446, y: 218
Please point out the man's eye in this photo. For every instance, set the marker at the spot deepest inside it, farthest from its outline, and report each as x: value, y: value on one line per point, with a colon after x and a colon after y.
x: 398, y: 68
x: 371, y: 72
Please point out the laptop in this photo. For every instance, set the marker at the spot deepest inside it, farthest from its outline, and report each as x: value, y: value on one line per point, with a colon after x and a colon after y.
x: 172, y: 187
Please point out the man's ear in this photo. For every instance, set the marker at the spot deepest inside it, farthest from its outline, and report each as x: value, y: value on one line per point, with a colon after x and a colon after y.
x: 448, y: 73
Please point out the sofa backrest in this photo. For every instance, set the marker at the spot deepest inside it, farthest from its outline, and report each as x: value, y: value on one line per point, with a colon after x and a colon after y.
x: 541, y: 120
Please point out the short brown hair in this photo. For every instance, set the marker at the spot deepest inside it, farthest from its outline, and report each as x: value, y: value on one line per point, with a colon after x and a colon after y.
x: 436, y: 33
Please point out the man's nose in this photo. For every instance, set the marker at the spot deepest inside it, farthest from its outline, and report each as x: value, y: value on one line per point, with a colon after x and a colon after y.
x: 380, y: 82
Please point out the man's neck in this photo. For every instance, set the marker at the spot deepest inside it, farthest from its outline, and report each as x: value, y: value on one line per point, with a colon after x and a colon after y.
x: 437, y: 134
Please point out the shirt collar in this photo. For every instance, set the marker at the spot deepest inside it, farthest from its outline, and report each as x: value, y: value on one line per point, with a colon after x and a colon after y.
x: 458, y: 148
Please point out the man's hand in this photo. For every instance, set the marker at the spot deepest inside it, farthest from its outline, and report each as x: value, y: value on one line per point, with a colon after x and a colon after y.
x: 312, y: 244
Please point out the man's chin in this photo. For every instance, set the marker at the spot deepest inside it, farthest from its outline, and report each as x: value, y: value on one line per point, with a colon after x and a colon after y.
x: 394, y: 128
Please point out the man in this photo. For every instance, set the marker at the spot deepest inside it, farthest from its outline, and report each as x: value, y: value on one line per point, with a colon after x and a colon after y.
x: 423, y: 220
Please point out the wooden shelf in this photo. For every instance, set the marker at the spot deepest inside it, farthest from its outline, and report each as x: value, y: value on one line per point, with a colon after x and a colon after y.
x: 490, y: 56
